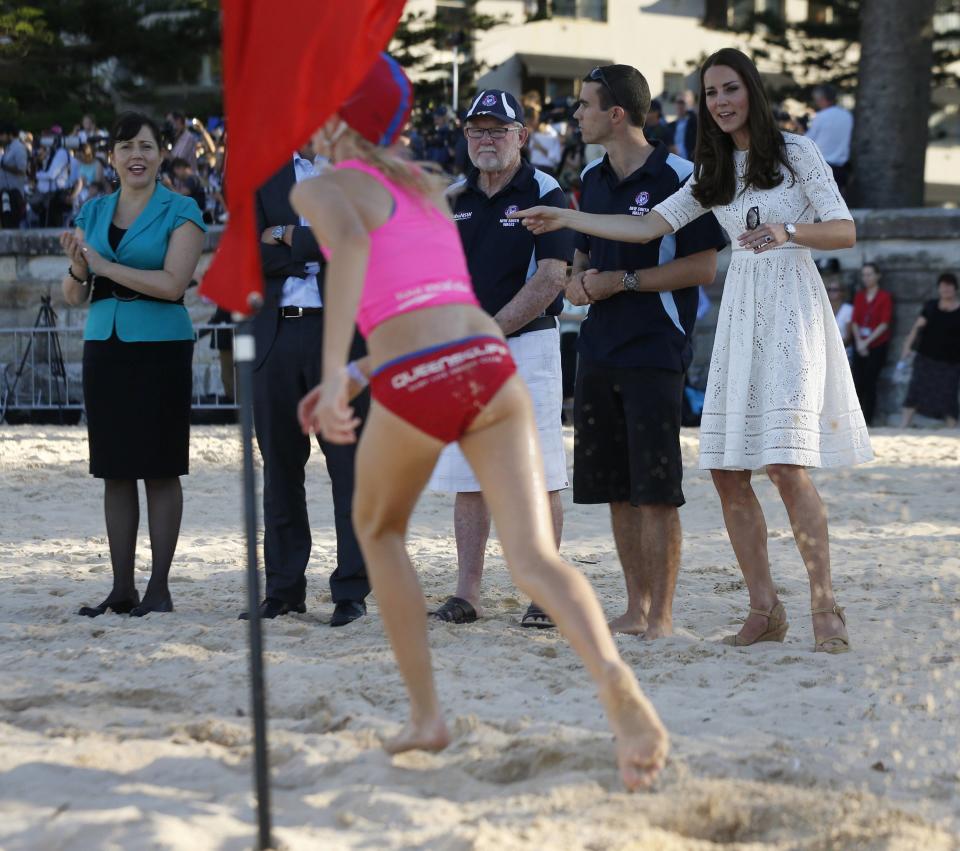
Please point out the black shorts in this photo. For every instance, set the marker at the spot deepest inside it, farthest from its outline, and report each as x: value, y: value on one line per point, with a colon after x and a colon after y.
x: 627, y: 443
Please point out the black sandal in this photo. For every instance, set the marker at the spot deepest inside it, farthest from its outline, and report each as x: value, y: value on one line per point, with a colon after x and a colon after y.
x: 455, y: 610
x: 536, y: 618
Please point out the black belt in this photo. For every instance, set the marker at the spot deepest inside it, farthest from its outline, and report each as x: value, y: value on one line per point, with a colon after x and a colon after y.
x: 106, y: 288
x: 297, y: 312
x: 541, y: 323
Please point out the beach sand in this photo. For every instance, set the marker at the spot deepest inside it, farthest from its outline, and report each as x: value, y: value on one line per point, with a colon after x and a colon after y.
x: 119, y: 733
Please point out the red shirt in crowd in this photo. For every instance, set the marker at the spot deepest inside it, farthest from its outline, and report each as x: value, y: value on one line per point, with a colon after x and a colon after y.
x: 868, y: 315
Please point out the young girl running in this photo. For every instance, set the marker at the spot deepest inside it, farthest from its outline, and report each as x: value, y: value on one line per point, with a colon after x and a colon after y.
x: 439, y: 371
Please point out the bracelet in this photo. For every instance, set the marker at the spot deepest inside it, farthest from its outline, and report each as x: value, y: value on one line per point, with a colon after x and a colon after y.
x: 82, y: 281
x: 356, y: 374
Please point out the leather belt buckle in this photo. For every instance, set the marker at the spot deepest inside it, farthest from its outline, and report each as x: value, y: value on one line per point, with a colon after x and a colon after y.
x: 291, y: 312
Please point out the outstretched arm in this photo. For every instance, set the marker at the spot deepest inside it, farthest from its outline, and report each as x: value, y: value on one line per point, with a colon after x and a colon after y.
x: 616, y: 228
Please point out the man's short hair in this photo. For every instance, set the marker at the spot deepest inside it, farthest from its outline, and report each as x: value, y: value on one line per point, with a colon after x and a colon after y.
x: 179, y: 162
x: 177, y: 116
x: 623, y: 86
x: 826, y: 91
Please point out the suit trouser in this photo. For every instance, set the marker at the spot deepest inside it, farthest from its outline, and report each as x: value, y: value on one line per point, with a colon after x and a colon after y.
x: 292, y: 367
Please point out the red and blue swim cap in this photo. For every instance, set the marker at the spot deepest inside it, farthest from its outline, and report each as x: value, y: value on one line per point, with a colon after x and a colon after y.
x: 380, y: 107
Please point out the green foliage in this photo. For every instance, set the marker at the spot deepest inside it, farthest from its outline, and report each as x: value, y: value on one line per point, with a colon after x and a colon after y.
x: 420, y: 39
x: 60, y: 59
x: 812, y: 51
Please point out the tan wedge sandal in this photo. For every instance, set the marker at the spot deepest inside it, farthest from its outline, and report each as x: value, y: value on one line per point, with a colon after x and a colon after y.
x: 776, y: 627
x: 832, y: 643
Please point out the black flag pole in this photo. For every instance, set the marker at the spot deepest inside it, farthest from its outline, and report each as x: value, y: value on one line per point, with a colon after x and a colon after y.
x: 244, y: 352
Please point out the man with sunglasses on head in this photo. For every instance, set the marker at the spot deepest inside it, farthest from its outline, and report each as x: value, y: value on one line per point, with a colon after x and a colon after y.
x: 518, y: 279
x: 635, y: 344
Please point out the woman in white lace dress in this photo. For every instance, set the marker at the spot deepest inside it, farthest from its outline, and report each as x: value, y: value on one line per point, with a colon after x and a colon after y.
x: 780, y: 396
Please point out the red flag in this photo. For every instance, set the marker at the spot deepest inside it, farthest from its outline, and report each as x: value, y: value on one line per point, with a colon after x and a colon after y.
x: 287, y: 66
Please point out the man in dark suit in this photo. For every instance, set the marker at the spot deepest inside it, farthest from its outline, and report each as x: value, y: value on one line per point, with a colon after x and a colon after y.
x: 289, y: 338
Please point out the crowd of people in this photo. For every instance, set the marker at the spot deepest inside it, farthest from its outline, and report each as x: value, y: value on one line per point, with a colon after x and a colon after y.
x: 46, y: 177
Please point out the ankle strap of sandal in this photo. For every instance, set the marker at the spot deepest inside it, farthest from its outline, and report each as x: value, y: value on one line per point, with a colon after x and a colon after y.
x: 834, y: 610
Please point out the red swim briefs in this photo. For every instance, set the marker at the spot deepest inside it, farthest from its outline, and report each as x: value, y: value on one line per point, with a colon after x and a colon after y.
x: 441, y: 390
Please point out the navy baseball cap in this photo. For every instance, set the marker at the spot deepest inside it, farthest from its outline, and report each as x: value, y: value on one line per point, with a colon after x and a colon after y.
x: 497, y: 104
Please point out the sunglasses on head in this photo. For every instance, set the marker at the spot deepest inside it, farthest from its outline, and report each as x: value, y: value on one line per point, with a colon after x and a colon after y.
x: 596, y: 76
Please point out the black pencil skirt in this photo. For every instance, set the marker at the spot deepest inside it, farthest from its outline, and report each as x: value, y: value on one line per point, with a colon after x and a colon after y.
x: 137, y: 397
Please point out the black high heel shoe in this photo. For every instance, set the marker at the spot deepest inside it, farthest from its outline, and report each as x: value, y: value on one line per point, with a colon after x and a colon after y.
x: 165, y: 605
x: 120, y: 607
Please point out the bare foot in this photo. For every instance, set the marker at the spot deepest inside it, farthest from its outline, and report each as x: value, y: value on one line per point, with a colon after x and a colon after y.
x: 642, y: 740
x: 430, y: 735
x: 657, y: 630
x: 629, y: 624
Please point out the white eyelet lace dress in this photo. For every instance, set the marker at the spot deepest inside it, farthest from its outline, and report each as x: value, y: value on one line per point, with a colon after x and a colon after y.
x: 780, y: 389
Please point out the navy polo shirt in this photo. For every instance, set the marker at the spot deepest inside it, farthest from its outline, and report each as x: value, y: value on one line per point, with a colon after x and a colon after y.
x: 641, y: 329
x: 502, y: 254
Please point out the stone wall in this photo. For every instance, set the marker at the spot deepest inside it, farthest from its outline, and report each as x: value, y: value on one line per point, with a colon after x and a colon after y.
x: 910, y: 246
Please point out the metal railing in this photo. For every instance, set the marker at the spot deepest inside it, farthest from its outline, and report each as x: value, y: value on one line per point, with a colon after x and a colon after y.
x: 41, y: 370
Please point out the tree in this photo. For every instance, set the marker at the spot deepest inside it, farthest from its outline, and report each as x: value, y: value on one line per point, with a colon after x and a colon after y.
x: 61, y: 59
x: 893, y: 102
x: 423, y: 40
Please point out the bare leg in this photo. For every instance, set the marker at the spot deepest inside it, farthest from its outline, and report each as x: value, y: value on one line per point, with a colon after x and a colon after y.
x: 648, y: 543
x: 627, y: 524
x: 747, y: 530
x: 471, y: 525
x: 907, y: 417
x: 502, y: 451
x: 660, y: 551
x: 394, y: 462
x: 808, y: 517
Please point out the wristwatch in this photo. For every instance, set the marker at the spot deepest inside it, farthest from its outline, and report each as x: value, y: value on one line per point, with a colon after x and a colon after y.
x: 630, y: 282
x: 791, y: 230
x: 278, y: 233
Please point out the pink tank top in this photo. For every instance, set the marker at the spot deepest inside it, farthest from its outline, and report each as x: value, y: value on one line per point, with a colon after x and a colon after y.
x: 416, y: 259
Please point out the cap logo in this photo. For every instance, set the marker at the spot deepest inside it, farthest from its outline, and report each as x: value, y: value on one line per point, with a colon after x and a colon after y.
x: 489, y: 100
x: 643, y: 199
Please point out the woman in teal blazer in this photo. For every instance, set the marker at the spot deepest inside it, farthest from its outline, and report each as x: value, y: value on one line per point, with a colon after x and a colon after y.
x: 133, y: 254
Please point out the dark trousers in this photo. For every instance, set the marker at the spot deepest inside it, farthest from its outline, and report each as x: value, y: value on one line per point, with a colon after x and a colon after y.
x: 568, y: 362
x: 291, y: 369
x: 866, y: 374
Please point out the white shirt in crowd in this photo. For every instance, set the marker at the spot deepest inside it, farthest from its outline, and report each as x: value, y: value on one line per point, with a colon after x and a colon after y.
x: 546, y: 148
x: 57, y: 176
x: 15, y: 155
x: 831, y: 129
x: 844, y: 317
x: 303, y: 292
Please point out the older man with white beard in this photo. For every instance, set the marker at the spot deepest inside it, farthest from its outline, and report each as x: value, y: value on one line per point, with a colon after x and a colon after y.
x: 518, y: 279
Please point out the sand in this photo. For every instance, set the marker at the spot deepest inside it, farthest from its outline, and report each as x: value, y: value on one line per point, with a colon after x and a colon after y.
x: 127, y: 734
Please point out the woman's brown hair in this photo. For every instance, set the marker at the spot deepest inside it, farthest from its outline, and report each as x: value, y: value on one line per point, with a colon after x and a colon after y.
x: 713, y: 159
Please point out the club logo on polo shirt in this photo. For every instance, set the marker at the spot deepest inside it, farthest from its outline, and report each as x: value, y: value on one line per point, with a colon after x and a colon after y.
x: 641, y: 204
x: 489, y: 100
x: 460, y: 217
x: 507, y: 222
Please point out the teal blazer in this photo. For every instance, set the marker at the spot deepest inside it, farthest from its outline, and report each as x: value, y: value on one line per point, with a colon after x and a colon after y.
x: 144, y: 246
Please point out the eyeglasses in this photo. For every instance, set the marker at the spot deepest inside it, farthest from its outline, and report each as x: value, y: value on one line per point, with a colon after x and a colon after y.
x: 597, y: 76
x: 492, y: 132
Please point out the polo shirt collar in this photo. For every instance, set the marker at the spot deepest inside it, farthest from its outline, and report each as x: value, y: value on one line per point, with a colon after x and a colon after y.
x: 651, y: 168
x: 523, y: 176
